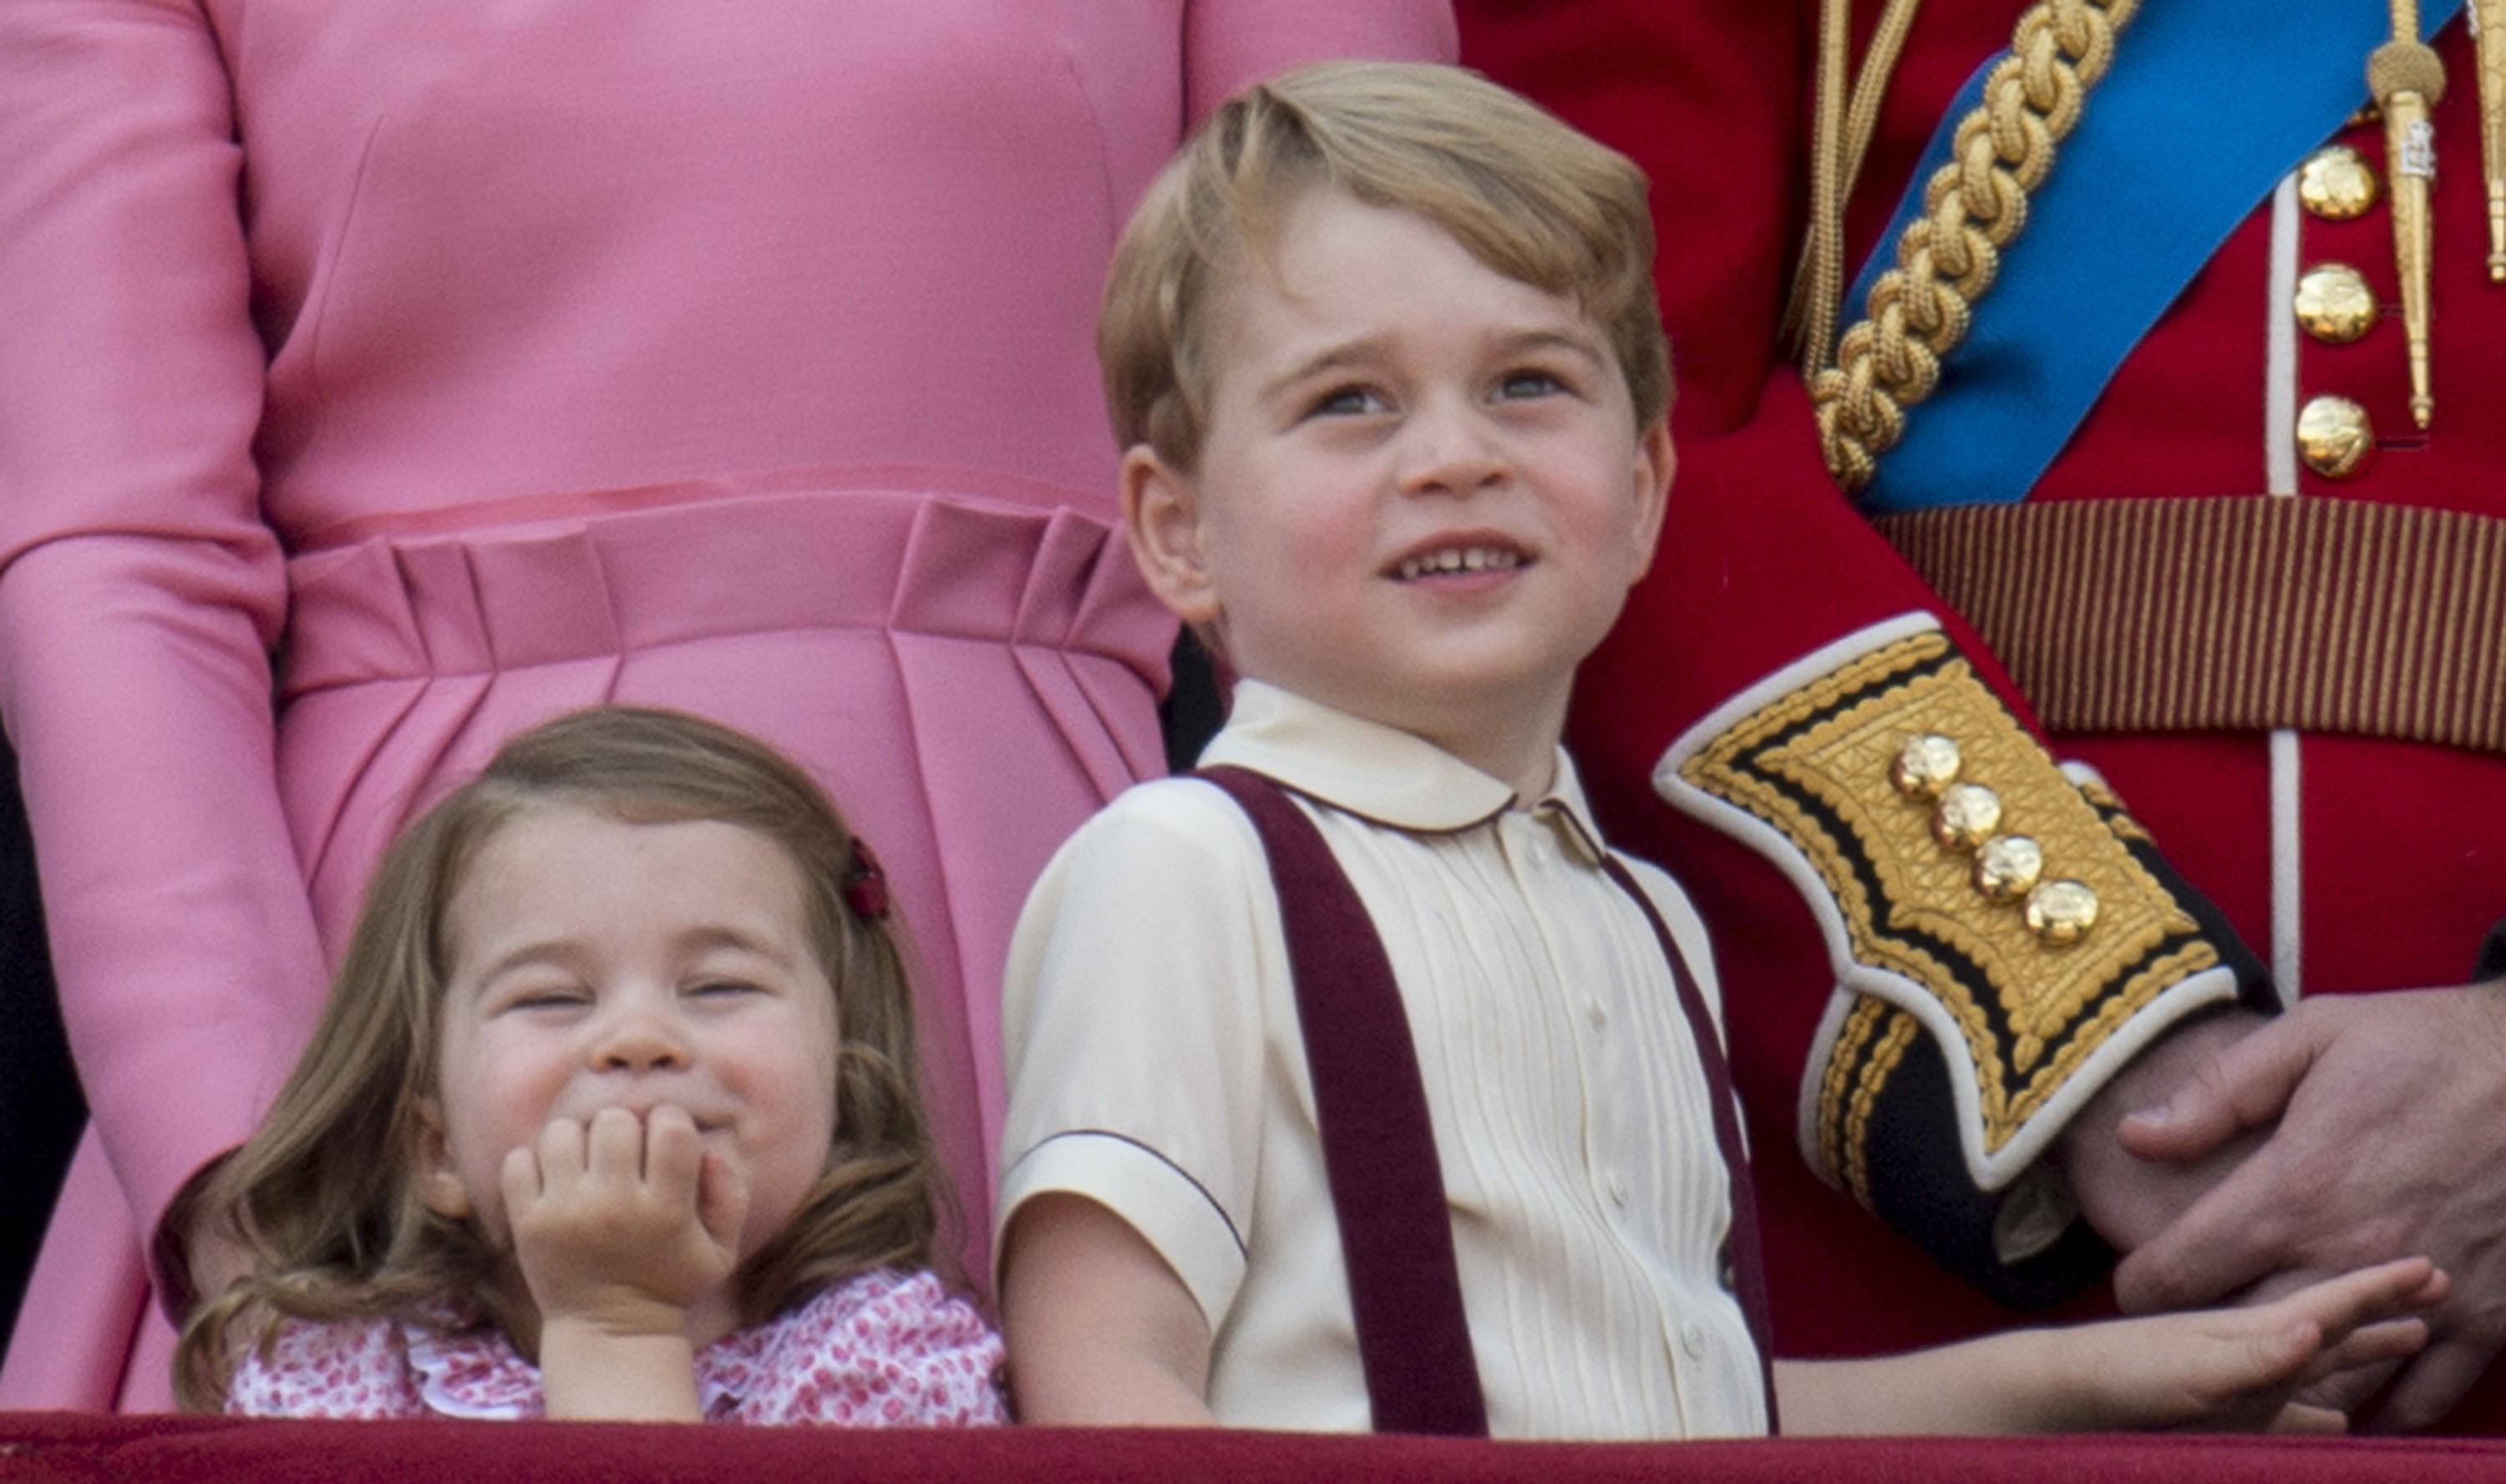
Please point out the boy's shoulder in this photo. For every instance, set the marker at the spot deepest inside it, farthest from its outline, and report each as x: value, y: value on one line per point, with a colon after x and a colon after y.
x: 1187, y: 814
x: 1160, y: 846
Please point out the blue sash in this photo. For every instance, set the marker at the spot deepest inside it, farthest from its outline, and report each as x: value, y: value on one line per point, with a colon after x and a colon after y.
x: 2207, y: 105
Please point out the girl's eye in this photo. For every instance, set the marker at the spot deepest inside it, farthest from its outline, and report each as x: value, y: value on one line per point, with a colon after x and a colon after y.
x: 714, y: 989
x: 551, y: 998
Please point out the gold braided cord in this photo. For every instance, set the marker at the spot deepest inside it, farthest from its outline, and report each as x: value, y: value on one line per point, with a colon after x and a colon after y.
x: 1841, y: 137
x: 1973, y: 208
x: 1810, y: 313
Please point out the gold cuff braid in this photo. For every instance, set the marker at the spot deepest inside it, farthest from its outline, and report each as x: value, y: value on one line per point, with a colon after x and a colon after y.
x: 2023, y: 1015
x: 1973, y: 207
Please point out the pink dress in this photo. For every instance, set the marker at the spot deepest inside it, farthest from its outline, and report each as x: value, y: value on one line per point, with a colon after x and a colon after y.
x: 879, y: 1350
x: 482, y: 359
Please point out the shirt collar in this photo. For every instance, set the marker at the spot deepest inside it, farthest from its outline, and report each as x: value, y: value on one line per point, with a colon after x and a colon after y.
x: 1383, y: 773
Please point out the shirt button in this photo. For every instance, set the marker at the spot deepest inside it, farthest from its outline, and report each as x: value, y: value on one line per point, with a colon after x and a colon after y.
x: 1595, y: 1012
x: 1692, y: 1338
x: 1541, y: 852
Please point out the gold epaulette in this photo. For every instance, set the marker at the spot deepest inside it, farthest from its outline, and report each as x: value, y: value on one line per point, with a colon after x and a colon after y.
x: 1966, y: 886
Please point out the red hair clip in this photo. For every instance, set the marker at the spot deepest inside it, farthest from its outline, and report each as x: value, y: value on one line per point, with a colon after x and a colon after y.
x: 866, y: 885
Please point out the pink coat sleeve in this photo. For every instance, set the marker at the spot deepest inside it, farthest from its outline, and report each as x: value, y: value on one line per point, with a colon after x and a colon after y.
x: 140, y: 591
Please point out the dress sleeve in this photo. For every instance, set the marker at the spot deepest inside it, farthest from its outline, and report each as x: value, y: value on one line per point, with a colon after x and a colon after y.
x: 140, y: 590
x: 1229, y: 45
x: 1776, y: 622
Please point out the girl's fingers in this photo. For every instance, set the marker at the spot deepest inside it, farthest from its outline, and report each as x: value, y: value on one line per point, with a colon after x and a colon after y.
x: 521, y: 1178
x: 614, y: 1145
x: 563, y: 1152
x: 673, y: 1153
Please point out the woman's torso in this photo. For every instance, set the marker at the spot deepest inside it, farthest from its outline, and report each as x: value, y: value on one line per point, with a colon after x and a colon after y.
x: 505, y: 249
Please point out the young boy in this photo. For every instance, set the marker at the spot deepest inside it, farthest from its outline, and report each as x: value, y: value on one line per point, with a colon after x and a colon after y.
x: 1384, y: 346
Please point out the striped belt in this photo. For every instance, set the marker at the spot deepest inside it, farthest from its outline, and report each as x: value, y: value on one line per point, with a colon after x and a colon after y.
x: 2244, y: 613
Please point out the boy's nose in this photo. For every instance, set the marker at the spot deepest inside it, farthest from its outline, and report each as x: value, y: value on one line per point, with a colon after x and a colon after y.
x: 1451, y: 449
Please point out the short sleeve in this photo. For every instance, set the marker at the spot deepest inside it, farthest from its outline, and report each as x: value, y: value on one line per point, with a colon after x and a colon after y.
x: 1136, y: 1013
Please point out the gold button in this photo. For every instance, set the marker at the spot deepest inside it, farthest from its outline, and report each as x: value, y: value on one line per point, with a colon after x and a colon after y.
x: 2337, y: 184
x: 2007, y: 868
x: 2334, y: 436
x: 2061, y: 912
x: 1925, y: 766
x: 1966, y: 816
x: 2334, y: 303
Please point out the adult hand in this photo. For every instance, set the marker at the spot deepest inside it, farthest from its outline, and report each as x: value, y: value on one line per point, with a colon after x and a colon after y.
x: 2128, y: 1200
x: 2382, y: 1112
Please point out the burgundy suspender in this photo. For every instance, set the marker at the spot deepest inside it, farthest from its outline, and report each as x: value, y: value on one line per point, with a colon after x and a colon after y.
x: 1380, y: 1154
x: 1745, y: 1262
x: 1396, y: 1229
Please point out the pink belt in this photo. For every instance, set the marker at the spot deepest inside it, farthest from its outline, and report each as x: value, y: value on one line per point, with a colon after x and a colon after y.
x: 418, y: 602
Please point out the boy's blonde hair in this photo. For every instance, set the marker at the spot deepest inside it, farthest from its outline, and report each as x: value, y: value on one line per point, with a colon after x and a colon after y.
x: 1524, y: 193
x: 325, y: 1196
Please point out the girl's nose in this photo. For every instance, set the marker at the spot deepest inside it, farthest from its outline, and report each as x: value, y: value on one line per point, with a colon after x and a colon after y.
x: 640, y: 1038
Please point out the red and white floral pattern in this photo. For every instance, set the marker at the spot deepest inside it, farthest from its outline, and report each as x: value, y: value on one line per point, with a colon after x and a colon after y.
x: 881, y: 1349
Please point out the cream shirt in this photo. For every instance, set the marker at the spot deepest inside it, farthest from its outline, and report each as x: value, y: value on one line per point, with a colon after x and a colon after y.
x: 1156, y: 1067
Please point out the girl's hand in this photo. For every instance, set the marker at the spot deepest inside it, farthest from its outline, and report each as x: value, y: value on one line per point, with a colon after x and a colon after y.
x: 624, y: 1224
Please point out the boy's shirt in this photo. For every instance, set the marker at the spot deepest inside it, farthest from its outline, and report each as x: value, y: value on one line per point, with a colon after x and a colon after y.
x: 1156, y: 1067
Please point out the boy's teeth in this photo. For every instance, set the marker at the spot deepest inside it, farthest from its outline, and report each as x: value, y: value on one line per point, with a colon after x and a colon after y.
x: 1459, y: 559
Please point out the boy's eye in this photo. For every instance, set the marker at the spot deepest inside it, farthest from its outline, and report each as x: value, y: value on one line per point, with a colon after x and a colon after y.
x: 1530, y: 381
x: 1347, y: 401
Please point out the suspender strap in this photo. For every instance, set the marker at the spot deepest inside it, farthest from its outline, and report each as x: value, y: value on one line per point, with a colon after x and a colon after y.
x: 1744, y: 1262
x: 1379, y: 1159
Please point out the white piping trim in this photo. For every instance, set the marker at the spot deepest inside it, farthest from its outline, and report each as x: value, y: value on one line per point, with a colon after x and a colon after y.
x: 1822, y: 1047
x: 2288, y: 868
x: 2279, y: 341
x: 2279, y: 465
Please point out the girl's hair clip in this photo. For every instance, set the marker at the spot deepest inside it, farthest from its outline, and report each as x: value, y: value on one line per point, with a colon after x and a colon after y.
x: 866, y: 885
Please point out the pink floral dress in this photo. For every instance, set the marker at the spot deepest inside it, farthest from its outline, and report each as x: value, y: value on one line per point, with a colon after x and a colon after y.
x: 881, y: 1349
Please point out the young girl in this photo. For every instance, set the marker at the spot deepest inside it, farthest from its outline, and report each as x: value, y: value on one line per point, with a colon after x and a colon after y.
x: 610, y: 1114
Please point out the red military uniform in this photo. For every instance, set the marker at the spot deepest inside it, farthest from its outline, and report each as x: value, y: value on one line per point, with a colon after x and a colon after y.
x: 2389, y: 831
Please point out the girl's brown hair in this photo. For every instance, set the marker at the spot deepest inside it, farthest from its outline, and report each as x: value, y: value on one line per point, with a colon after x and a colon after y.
x: 325, y: 1196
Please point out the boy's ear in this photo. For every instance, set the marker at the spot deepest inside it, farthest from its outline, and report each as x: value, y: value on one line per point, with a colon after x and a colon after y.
x: 1161, y: 518
x: 439, y: 1184
x: 1656, y: 463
